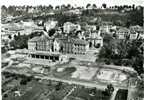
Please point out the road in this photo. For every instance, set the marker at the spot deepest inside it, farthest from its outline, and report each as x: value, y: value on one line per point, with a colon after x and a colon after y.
x: 69, y: 81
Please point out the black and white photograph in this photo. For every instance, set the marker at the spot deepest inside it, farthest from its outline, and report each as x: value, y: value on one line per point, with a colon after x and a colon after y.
x: 72, y: 49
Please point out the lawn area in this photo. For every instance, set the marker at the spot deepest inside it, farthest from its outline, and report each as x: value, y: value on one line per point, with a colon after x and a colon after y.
x: 65, y: 73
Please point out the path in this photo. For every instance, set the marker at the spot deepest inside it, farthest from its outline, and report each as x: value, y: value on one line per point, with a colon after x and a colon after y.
x: 114, y: 94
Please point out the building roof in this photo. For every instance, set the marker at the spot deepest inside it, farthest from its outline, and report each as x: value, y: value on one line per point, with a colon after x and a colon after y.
x: 123, y: 30
x: 34, y: 39
x: 40, y: 38
x: 137, y: 28
x: 74, y: 41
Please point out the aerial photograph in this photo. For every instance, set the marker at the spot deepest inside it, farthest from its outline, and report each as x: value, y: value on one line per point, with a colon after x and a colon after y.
x: 72, y: 49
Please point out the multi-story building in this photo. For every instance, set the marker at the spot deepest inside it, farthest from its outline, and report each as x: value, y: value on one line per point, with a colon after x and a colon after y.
x: 74, y: 46
x: 42, y: 43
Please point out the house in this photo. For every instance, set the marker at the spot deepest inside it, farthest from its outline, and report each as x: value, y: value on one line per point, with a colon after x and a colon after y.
x: 122, y: 33
x: 69, y: 27
x: 50, y: 25
x: 137, y: 30
x: 106, y: 26
x: 95, y: 42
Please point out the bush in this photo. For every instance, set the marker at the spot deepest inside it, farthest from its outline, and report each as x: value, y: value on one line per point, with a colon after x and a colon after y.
x: 70, y: 69
x: 117, y: 62
x: 107, y: 61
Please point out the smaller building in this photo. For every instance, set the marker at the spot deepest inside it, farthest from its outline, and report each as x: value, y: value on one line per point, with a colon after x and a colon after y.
x: 106, y: 26
x: 70, y: 27
x: 138, y: 30
x: 122, y: 33
x: 50, y: 25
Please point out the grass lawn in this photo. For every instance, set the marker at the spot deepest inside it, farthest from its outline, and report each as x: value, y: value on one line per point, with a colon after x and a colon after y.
x: 66, y: 73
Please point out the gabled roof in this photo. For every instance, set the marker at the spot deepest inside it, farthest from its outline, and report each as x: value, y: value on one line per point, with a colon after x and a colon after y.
x: 123, y: 30
x: 40, y: 38
x: 34, y: 39
x: 74, y: 41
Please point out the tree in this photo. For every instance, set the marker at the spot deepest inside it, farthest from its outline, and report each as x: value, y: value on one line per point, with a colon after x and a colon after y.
x: 50, y: 7
x: 57, y: 7
x: 58, y: 86
x: 51, y: 32
x: 68, y: 6
x: 109, y: 90
x: 94, y: 6
x: 104, y: 5
x: 88, y: 5
x: 9, y: 37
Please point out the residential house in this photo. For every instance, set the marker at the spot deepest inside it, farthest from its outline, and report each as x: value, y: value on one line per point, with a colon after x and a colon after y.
x: 50, y: 25
x: 69, y: 27
x: 122, y: 33
x: 138, y: 30
x: 106, y: 26
x: 95, y: 42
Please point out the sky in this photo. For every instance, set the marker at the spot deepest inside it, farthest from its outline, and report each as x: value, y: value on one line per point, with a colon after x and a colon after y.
x: 72, y: 2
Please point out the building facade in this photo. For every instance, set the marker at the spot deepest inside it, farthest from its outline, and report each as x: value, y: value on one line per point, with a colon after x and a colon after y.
x: 74, y: 46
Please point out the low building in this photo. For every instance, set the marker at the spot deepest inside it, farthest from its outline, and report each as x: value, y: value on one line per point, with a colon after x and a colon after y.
x: 44, y: 55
